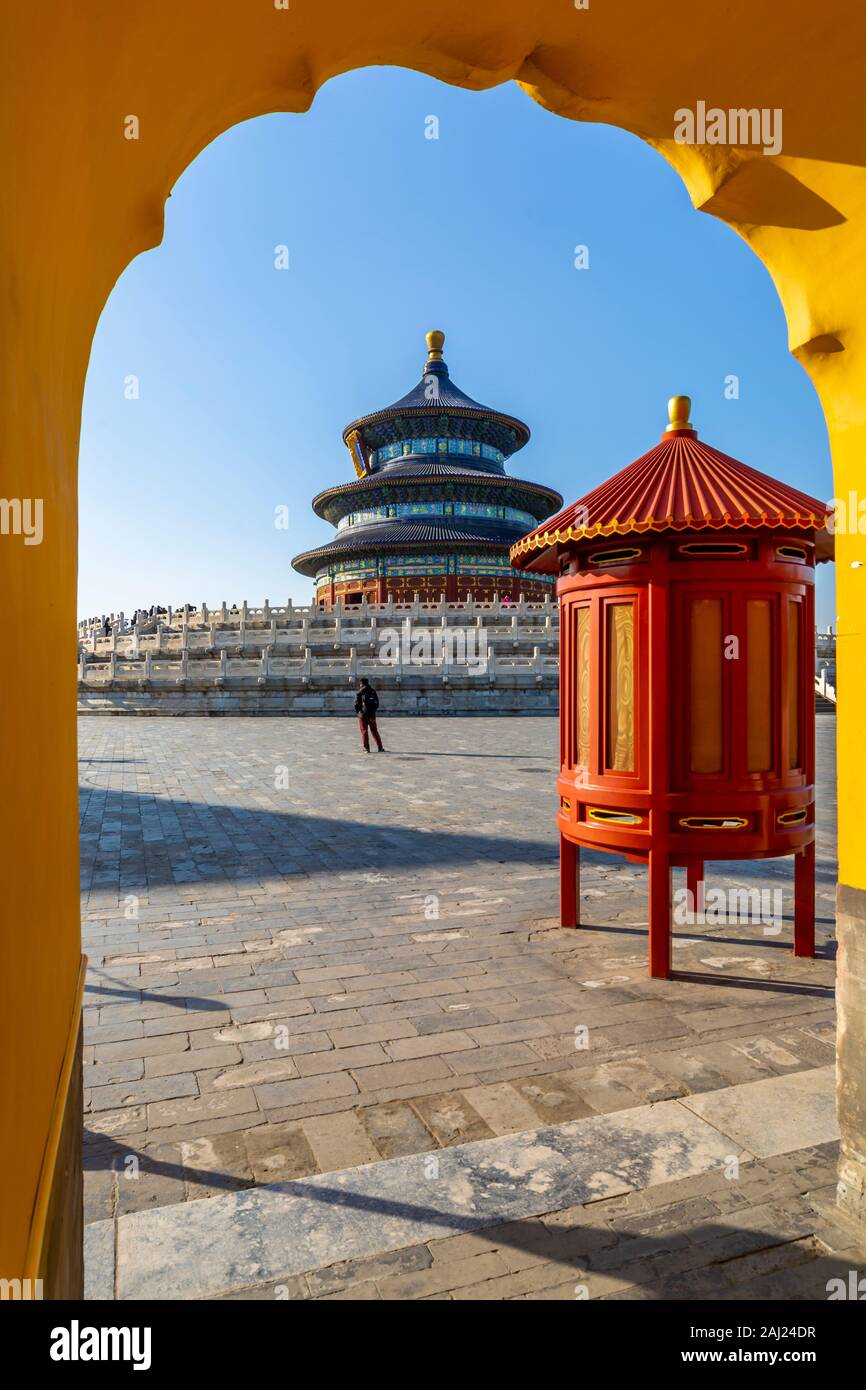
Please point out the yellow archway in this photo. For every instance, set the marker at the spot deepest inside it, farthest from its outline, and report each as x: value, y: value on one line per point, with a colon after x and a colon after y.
x: 104, y: 105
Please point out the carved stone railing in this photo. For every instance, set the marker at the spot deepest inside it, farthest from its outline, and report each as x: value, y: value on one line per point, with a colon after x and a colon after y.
x: 824, y: 687
x: 411, y: 651
x: 309, y: 670
x: 290, y: 615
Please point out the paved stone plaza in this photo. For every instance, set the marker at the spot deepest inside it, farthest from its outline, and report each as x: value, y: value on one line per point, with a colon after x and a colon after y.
x: 305, y: 961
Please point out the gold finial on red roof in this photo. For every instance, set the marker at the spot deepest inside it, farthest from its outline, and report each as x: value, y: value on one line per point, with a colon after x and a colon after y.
x: 678, y: 414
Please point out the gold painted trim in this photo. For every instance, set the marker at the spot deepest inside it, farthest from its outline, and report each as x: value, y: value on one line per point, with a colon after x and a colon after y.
x: 712, y: 822
x: 353, y: 440
x: 715, y: 549
x: 787, y: 818
x: 613, y: 817
x: 546, y: 539
x: 36, y: 1240
x: 615, y: 557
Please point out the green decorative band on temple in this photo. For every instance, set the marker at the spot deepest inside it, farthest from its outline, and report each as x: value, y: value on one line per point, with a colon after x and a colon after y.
x: 419, y: 564
x: 470, y: 448
x: 486, y: 510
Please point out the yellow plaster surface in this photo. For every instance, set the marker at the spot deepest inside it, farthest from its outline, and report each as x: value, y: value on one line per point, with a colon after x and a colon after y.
x: 79, y: 201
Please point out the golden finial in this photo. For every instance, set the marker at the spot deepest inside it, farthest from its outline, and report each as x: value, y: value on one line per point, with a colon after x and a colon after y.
x: 678, y: 414
x: 435, y: 344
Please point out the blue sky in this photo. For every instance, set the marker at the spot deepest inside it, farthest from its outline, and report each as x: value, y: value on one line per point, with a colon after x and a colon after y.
x: 247, y: 373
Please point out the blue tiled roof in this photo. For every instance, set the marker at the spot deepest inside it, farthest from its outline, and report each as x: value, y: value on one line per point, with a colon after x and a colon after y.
x: 436, y: 390
x: 447, y: 531
x: 436, y: 393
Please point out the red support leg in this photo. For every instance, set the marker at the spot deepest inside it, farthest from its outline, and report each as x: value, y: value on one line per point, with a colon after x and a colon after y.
x: 659, y: 915
x: 695, y: 885
x: 569, y: 882
x: 804, y: 901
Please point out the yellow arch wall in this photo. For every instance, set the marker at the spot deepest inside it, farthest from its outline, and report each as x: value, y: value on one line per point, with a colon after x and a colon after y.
x: 80, y: 200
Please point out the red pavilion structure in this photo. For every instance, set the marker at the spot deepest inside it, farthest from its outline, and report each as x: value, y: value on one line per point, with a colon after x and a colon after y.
x: 686, y: 587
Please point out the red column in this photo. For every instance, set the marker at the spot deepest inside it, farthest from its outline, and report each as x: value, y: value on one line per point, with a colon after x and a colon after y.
x: 804, y: 901
x: 659, y: 677
x: 569, y: 882
x: 659, y: 915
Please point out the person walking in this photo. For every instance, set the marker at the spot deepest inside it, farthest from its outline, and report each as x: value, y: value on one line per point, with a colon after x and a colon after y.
x: 366, y: 705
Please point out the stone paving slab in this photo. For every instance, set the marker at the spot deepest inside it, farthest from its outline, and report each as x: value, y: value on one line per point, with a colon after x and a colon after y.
x: 367, y: 963
x: 201, y: 1250
x: 775, y: 1116
x: 768, y: 1231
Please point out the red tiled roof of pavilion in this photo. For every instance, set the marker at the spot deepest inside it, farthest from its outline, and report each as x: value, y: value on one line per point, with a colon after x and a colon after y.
x: 679, y: 485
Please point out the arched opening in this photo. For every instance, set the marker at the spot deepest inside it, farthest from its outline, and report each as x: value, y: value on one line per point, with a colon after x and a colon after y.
x: 780, y: 210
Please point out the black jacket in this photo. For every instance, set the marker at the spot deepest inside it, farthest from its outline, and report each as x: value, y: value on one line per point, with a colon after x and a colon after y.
x: 366, y: 701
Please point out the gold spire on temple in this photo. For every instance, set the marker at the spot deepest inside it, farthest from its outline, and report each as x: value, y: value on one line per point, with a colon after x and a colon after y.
x: 435, y: 344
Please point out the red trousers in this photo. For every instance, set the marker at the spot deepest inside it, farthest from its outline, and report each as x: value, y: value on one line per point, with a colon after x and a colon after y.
x: 367, y: 724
